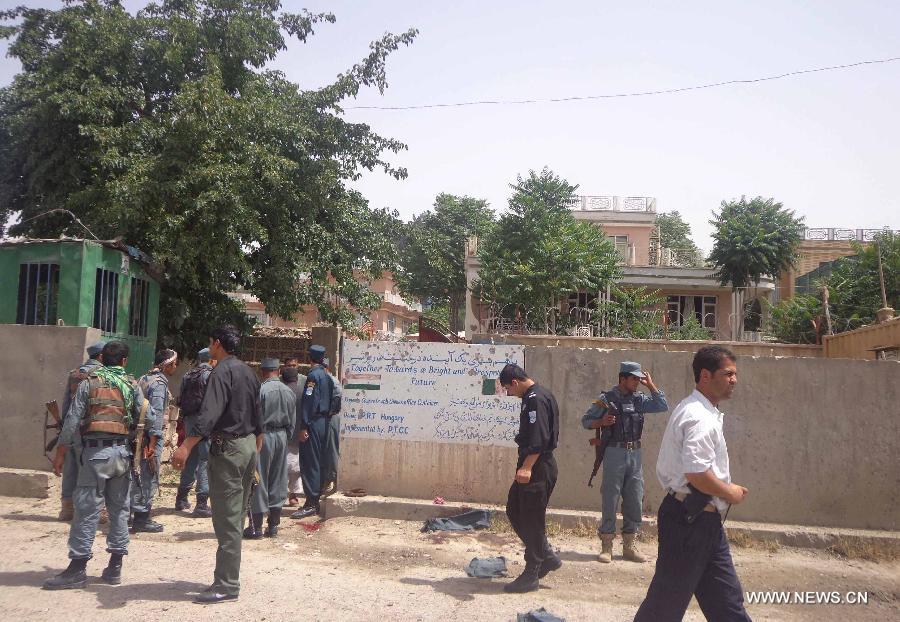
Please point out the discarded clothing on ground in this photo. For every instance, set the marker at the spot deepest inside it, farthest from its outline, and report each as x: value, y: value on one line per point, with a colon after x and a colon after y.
x: 538, y: 615
x: 467, y: 521
x: 487, y: 567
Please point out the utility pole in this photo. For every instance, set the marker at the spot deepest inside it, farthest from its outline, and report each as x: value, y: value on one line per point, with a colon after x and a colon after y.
x: 884, y: 302
x: 827, y: 310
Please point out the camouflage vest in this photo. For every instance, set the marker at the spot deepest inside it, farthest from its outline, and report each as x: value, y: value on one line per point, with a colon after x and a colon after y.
x: 77, y: 376
x: 106, y: 409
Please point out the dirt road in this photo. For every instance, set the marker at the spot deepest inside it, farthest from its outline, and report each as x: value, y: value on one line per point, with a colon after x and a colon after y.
x: 369, y: 569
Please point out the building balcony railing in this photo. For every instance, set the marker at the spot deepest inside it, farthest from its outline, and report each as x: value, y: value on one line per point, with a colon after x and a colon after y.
x: 613, y: 204
x: 397, y: 299
x: 832, y: 234
x: 673, y: 257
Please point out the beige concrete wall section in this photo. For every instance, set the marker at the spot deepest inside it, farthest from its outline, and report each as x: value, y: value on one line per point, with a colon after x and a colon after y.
x: 35, y: 362
x: 743, y: 348
x: 815, y: 440
x: 861, y: 343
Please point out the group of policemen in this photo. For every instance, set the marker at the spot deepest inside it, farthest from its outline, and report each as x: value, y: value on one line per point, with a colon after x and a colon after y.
x: 238, y: 432
x: 111, y: 441
x: 154, y: 387
x: 693, y: 557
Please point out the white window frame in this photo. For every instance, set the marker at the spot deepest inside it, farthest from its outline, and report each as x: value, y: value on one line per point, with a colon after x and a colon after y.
x: 620, y: 242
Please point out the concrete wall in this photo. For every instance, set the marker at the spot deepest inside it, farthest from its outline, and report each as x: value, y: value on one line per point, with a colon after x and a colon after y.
x: 35, y: 361
x: 816, y: 441
x: 743, y: 348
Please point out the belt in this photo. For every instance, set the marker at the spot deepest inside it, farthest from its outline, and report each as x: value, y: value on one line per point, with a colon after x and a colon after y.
x: 626, y: 444
x: 273, y: 429
x: 220, y: 437
x: 104, y: 442
x: 681, y: 496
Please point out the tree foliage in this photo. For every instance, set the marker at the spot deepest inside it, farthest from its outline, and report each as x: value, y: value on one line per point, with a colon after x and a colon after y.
x: 165, y: 128
x: 794, y: 320
x: 753, y: 239
x: 854, y: 294
x: 675, y: 234
x: 538, y: 253
x: 432, y: 254
x: 634, y: 313
x: 854, y: 286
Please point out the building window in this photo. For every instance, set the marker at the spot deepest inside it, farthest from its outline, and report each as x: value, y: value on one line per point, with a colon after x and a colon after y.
x: 391, y: 323
x: 621, y: 244
x: 106, y: 297
x: 703, y: 308
x: 138, y: 306
x: 38, y: 293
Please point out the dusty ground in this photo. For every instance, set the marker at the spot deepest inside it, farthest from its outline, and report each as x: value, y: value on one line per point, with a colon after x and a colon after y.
x: 368, y: 569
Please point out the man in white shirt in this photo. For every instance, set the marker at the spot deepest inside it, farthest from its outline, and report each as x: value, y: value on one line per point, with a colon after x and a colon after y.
x: 694, y: 558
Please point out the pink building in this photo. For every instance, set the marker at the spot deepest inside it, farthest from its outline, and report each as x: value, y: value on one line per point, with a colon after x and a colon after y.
x: 392, y: 320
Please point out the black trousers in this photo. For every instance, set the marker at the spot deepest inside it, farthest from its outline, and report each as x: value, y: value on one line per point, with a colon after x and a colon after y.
x: 526, y: 508
x: 694, y: 560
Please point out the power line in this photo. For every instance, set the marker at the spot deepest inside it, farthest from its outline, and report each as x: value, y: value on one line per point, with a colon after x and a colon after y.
x: 502, y: 102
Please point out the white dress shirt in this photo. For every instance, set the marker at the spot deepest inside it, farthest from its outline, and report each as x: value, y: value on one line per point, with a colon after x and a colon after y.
x: 693, y: 443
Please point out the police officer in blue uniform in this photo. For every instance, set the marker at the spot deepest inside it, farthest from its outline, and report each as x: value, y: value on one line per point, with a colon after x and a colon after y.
x: 70, y: 467
x: 621, y: 410
x: 103, y: 415
x: 312, y: 421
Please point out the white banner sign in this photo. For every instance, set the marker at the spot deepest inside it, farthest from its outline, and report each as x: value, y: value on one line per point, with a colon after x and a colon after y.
x: 439, y: 392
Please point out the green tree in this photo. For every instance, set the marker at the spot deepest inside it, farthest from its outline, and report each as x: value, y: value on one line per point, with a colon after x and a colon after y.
x: 675, y: 234
x: 432, y: 254
x: 794, y: 319
x: 753, y: 239
x: 166, y: 129
x: 538, y: 253
x: 854, y: 285
x: 634, y: 313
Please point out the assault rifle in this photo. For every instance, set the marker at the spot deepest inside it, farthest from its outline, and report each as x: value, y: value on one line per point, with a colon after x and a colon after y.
x: 52, y: 421
x: 254, y: 482
x: 138, y: 443
x: 601, y: 439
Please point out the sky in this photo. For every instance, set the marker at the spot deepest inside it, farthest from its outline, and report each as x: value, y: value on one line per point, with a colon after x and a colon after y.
x: 826, y: 145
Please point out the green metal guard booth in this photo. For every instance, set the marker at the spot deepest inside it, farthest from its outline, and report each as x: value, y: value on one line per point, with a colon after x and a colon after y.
x: 73, y: 282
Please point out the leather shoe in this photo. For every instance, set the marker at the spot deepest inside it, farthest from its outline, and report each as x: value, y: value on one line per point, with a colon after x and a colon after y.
x: 550, y: 563
x: 310, y: 510
x: 212, y: 597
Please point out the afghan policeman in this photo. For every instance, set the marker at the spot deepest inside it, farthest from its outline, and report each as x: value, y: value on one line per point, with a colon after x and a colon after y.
x: 295, y: 381
x: 105, y: 410
x: 331, y: 454
x: 70, y: 467
x: 193, y: 388
x: 278, y: 412
x: 155, y: 385
x: 694, y: 558
x: 536, y: 474
x: 229, y: 416
x: 315, y: 405
x: 620, y: 411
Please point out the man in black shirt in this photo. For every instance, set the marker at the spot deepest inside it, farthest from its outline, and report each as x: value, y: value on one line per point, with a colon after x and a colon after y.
x: 536, y: 473
x: 229, y: 416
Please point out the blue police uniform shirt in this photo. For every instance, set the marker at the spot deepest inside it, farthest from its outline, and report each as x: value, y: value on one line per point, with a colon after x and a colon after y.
x: 316, y: 400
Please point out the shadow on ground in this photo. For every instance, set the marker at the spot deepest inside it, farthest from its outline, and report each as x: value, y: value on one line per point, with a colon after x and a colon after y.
x: 460, y: 588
